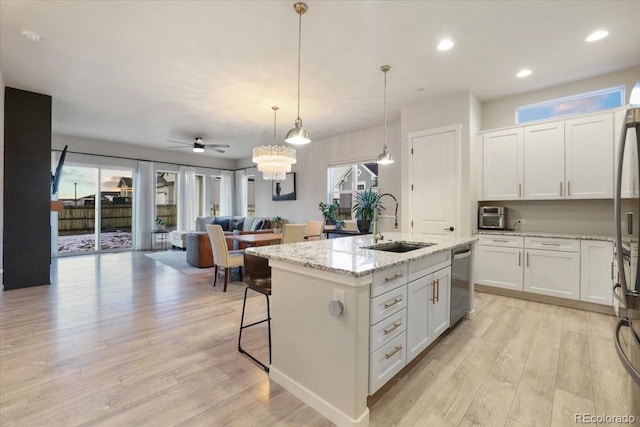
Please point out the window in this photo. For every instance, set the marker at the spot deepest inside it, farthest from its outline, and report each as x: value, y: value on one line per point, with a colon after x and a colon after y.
x: 166, y: 212
x: 587, y: 102
x: 214, y: 208
x: 344, y: 181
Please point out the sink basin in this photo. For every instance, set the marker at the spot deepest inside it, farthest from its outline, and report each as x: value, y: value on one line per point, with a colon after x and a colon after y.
x: 398, y: 247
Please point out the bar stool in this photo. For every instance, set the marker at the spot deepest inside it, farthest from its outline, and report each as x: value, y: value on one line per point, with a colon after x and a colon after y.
x: 257, y: 276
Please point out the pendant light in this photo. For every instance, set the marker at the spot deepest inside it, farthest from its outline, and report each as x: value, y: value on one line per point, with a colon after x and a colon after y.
x: 274, y: 161
x: 384, y: 158
x: 298, y: 135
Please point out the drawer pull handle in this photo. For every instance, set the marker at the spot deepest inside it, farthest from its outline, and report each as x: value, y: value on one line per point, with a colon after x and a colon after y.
x: 569, y: 188
x: 437, y: 290
x: 549, y: 244
x: 394, y: 277
x: 611, y: 270
x: 433, y: 292
x: 393, y: 328
x: 519, y: 190
x: 561, y: 189
x: 500, y: 240
x: 519, y: 259
x: 527, y: 259
x: 395, y: 350
x: 391, y: 304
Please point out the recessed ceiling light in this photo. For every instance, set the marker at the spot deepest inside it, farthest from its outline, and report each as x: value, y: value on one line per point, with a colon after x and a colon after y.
x: 30, y: 34
x: 525, y: 72
x: 445, y: 44
x: 597, y: 35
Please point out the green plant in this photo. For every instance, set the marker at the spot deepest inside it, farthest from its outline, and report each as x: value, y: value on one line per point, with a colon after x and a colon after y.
x: 367, y: 203
x: 160, y: 223
x: 276, y: 221
x: 329, y: 211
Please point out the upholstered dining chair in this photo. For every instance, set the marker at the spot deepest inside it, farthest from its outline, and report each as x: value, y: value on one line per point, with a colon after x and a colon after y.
x: 292, y: 233
x: 257, y: 276
x: 222, y: 257
x: 314, y: 230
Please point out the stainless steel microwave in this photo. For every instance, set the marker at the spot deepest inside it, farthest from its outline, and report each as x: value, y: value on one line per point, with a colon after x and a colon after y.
x: 492, y: 217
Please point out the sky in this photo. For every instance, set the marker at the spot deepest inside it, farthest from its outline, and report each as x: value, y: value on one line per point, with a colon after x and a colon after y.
x: 86, y: 179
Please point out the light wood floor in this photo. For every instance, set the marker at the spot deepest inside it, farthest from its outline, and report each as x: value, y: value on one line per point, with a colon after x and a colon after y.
x: 122, y: 340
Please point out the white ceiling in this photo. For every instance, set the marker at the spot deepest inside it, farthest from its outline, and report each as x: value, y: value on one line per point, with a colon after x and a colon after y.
x: 142, y: 72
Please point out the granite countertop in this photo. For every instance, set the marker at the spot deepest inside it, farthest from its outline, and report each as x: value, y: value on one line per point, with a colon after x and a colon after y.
x: 558, y: 235
x: 345, y: 255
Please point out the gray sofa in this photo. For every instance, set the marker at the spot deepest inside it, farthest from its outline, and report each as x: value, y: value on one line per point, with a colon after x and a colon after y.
x: 229, y: 224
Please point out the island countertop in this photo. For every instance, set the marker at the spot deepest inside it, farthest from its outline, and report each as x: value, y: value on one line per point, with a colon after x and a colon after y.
x: 347, y: 256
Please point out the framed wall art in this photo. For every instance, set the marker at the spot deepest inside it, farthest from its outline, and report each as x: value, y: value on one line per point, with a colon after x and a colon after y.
x: 284, y: 190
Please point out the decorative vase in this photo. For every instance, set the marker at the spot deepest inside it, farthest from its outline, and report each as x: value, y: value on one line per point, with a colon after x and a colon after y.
x: 277, y: 230
x: 363, y: 225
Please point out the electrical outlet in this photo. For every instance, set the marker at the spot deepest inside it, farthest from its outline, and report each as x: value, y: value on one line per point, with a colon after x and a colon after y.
x: 339, y: 295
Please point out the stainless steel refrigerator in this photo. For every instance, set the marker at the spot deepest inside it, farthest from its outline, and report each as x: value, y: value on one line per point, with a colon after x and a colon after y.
x: 627, y: 288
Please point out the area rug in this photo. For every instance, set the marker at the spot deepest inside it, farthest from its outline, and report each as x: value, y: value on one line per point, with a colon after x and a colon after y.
x: 178, y: 260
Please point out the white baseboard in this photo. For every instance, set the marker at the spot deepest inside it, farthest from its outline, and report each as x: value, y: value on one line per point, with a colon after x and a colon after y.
x: 334, y: 414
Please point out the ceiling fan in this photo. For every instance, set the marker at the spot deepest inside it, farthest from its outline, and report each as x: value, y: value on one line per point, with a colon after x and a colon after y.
x: 199, y: 145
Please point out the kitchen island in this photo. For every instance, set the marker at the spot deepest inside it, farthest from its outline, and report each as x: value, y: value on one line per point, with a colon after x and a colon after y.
x: 333, y: 355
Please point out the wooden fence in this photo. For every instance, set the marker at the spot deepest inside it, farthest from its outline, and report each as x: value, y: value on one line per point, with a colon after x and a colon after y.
x: 81, y: 219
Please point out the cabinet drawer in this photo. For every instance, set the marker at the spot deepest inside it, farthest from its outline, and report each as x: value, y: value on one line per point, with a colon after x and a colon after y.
x: 387, y: 304
x: 427, y: 265
x: 386, y: 362
x: 550, y: 244
x: 386, y: 280
x: 499, y: 240
x: 383, y: 332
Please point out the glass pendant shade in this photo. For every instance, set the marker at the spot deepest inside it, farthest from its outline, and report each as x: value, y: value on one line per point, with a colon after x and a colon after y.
x: 274, y: 161
x: 298, y: 135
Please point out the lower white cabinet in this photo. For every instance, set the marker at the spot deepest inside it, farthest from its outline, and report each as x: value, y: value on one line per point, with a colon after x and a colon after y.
x: 596, y: 272
x: 553, y: 273
x: 499, y: 262
x: 428, y: 310
x: 387, y: 361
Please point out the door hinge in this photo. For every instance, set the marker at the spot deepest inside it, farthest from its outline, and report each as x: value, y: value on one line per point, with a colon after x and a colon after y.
x: 412, y: 224
x: 412, y: 151
x: 411, y: 187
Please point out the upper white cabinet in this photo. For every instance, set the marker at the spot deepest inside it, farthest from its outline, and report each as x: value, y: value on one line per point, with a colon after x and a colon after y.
x: 563, y: 159
x: 502, y: 159
x: 544, y: 161
x: 629, y: 186
x: 589, y: 157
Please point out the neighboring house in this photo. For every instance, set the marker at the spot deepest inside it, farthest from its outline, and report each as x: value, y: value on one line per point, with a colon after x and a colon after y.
x: 126, y: 186
x: 165, y: 190
x: 366, y: 177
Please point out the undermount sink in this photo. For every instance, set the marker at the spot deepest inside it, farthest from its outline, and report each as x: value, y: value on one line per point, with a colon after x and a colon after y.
x: 398, y: 247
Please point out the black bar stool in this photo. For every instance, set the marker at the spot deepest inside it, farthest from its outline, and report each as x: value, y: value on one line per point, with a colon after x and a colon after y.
x: 257, y: 276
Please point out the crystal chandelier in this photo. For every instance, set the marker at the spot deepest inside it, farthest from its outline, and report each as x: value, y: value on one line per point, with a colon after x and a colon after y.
x: 274, y: 161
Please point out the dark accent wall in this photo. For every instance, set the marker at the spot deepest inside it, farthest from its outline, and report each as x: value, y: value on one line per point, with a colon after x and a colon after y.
x: 27, y: 189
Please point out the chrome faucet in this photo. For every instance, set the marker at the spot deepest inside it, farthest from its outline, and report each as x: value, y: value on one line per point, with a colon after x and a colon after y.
x: 376, y: 233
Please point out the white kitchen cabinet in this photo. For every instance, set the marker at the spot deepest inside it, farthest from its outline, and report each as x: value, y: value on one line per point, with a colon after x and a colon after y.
x: 554, y: 273
x: 440, y: 307
x: 544, y: 161
x: 596, y: 272
x: 589, y: 157
x: 502, y: 171
x: 629, y: 187
x: 428, y: 309
x: 499, y: 262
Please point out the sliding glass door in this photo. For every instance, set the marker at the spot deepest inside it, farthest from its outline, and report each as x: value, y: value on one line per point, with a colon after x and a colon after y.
x: 97, y: 210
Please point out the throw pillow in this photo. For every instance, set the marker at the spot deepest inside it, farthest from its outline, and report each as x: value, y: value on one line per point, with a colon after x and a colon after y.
x: 236, y: 224
x: 257, y: 225
x: 224, y: 223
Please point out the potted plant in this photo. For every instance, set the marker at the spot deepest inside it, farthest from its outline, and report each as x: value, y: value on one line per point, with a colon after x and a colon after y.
x: 330, y: 214
x: 367, y: 204
x: 276, y: 221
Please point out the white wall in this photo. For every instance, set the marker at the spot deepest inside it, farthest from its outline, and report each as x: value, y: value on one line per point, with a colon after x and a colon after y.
x: 311, y: 173
x: 502, y: 112
x: 451, y: 109
x: 1, y: 181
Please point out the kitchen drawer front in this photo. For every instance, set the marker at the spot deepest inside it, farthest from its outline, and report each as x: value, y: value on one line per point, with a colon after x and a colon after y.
x: 549, y: 244
x: 387, y: 304
x: 499, y: 240
x: 383, y: 332
x: 386, y: 280
x: 427, y: 265
x: 386, y: 362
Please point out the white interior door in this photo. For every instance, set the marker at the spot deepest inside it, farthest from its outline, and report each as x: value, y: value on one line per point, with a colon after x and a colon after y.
x: 434, y: 186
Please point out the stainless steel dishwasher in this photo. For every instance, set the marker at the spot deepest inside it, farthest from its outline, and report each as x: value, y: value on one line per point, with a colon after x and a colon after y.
x: 460, y: 276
